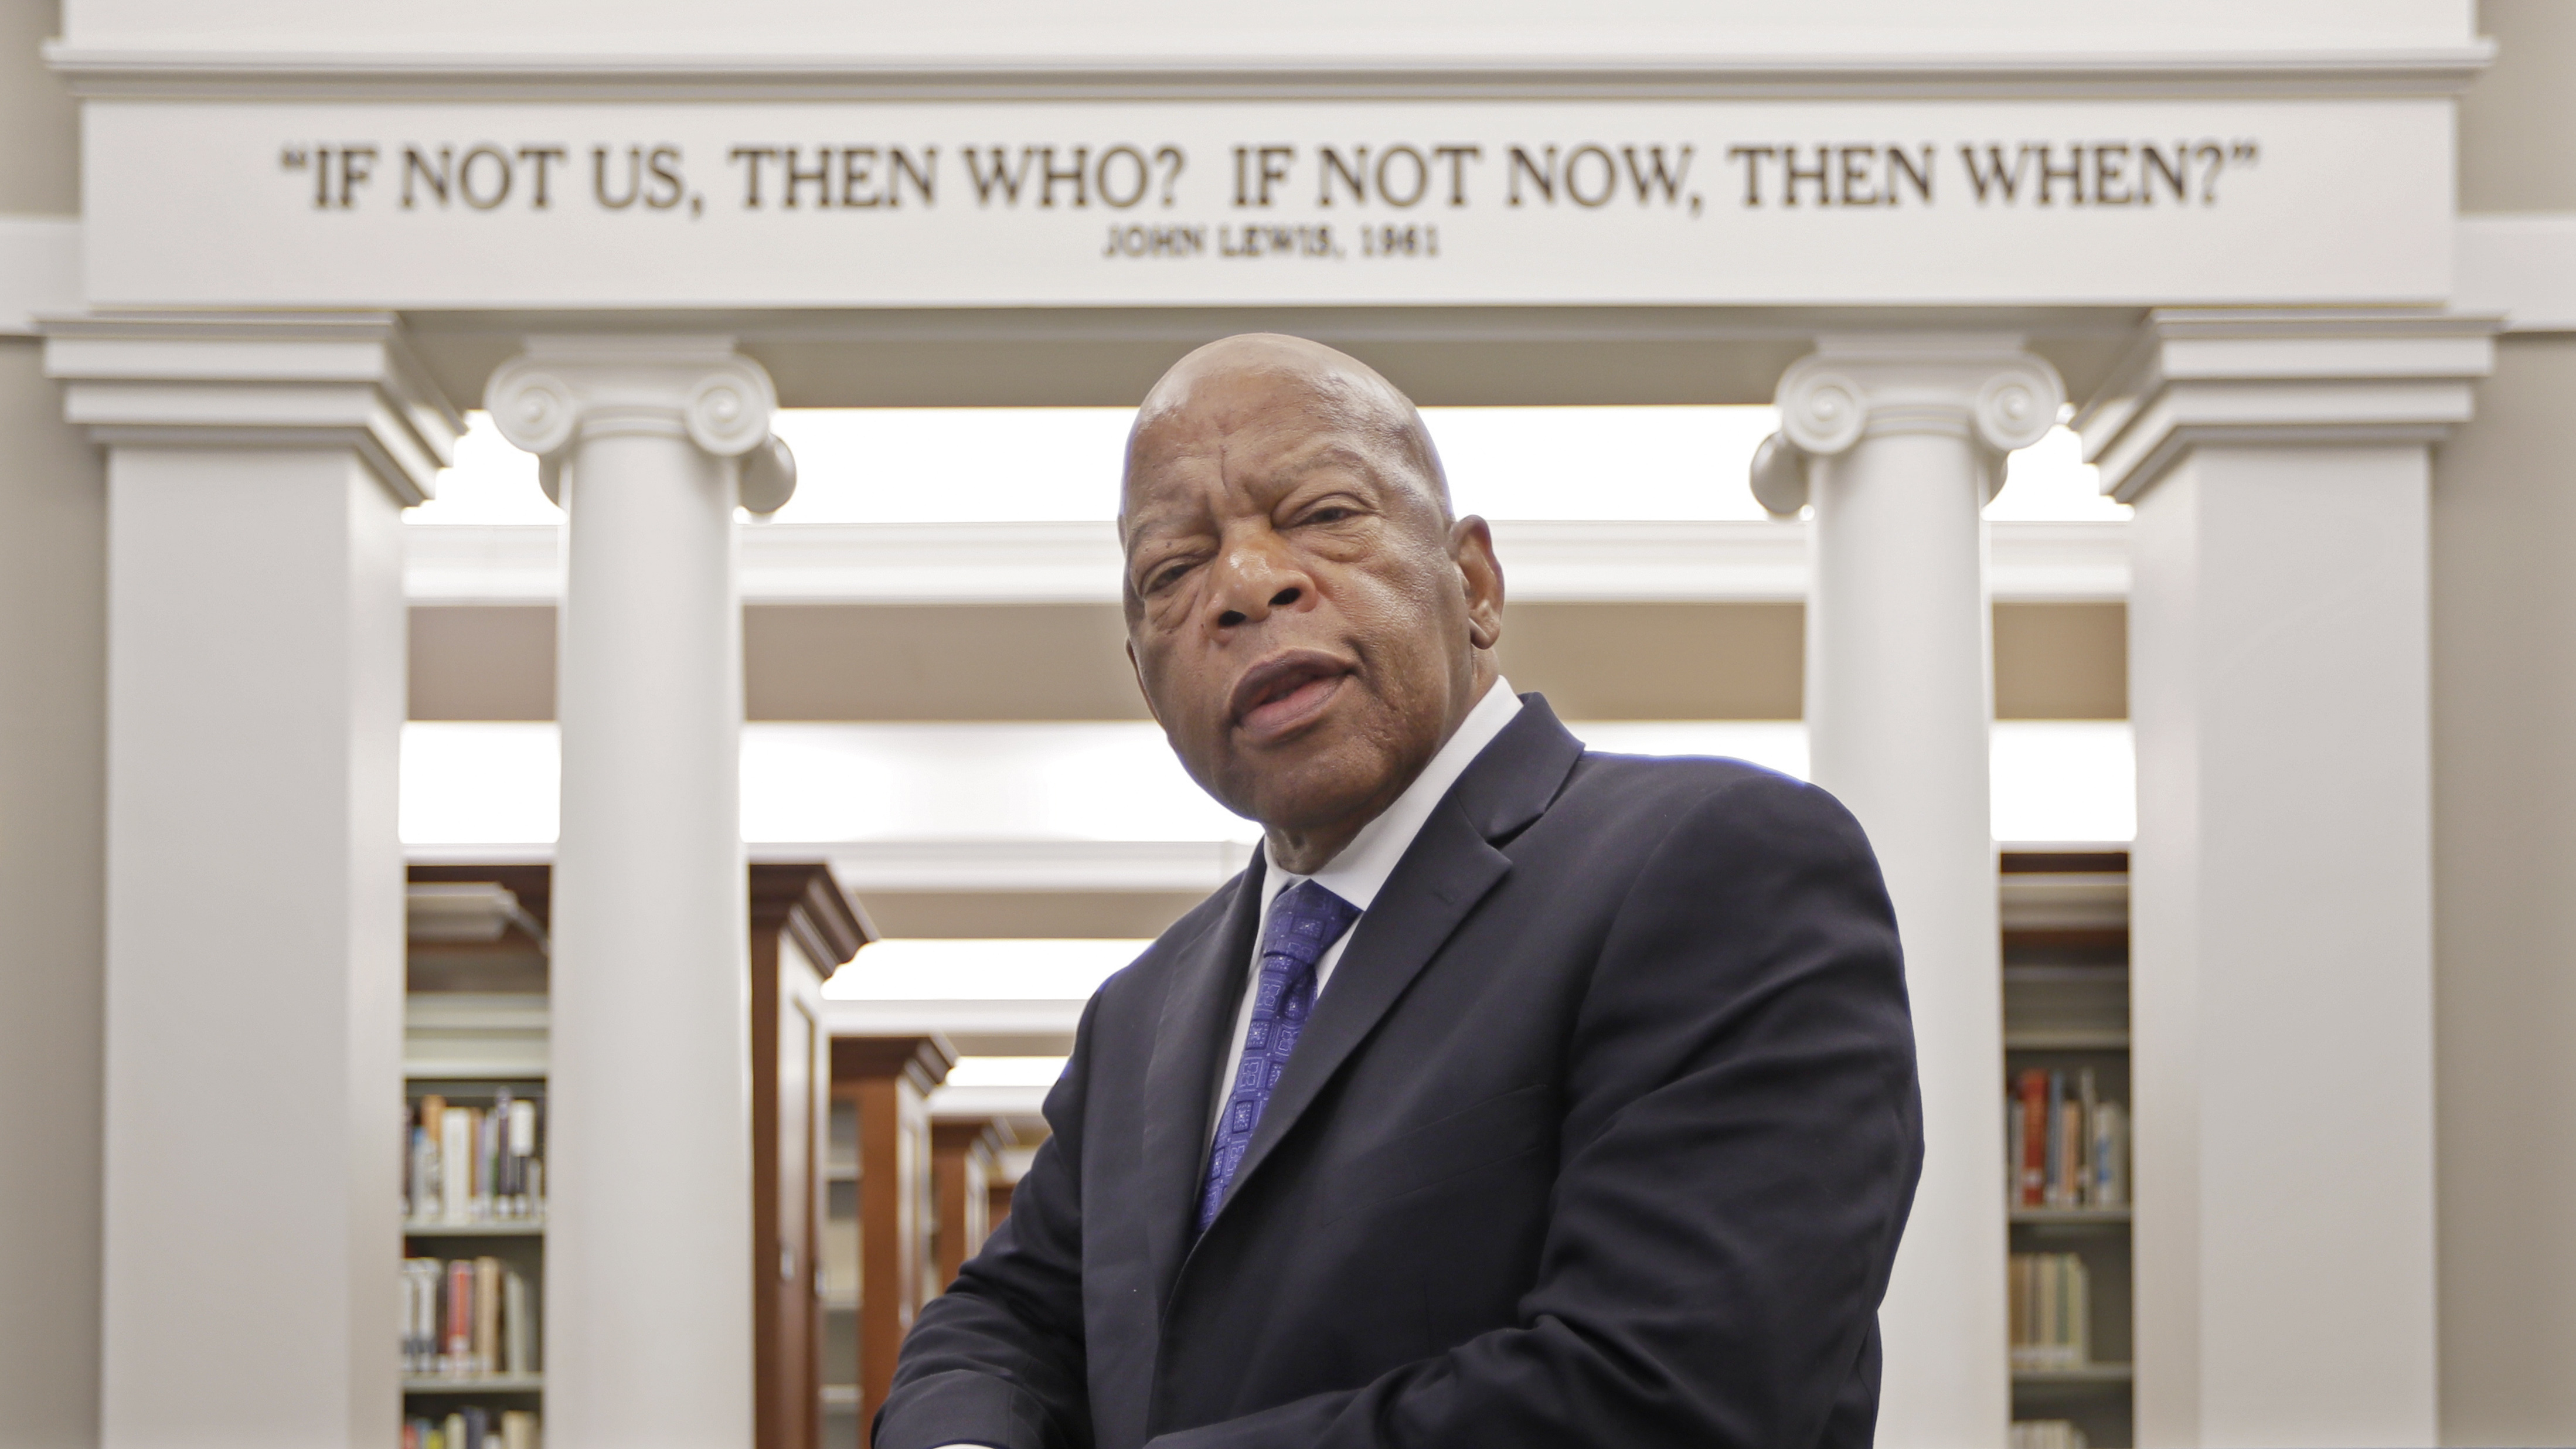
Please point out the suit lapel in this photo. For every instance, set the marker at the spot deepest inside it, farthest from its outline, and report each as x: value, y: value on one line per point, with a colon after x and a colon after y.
x: 1450, y: 866
x: 1190, y: 1042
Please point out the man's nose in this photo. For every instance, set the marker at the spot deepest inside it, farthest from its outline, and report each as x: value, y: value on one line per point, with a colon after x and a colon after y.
x: 1255, y: 575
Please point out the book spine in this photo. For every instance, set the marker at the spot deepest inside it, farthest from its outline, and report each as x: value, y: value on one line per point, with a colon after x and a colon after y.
x: 456, y: 1164
x: 2088, y: 1102
x: 2012, y: 1148
x: 518, y: 1335
x: 505, y: 1163
x: 2034, y: 1141
x: 487, y: 1315
x: 2070, y: 1137
x: 459, y: 1348
x: 523, y: 1155
x: 2111, y: 1155
x: 487, y: 1162
x: 2055, y: 1191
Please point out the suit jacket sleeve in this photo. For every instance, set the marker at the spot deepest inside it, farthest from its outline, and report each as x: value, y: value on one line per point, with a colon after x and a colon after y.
x: 998, y: 1358
x: 1740, y: 1145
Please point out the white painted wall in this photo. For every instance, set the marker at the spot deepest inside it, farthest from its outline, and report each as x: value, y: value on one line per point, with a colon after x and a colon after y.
x: 53, y: 702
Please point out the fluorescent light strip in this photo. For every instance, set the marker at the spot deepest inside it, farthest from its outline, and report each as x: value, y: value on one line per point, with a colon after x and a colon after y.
x: 945, y: 788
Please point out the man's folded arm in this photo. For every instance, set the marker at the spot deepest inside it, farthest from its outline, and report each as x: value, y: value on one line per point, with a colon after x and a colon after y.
x: 1740, y: 1146
x: 997, y: 1360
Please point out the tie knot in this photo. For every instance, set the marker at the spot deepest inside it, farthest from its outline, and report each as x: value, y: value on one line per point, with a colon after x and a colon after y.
x: 1305, y: 921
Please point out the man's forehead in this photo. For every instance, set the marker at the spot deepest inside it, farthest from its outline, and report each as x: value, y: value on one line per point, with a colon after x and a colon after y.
x: 1258, y: 464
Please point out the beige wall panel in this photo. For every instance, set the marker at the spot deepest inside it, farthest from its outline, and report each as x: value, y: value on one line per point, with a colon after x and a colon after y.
x: 901, y: 662
x: 53, y: 703
x: 1095, y: 914
x: 483, y: 662
x: 2518, y: 122
x: 2504, y: 789
x: 1055, y: 662
x: 39, y: 125
x: 1659, y: 661
x: 2061, y: 661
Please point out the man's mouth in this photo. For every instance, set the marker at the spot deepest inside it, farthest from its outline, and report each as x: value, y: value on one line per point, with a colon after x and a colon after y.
x: 1279, y: 695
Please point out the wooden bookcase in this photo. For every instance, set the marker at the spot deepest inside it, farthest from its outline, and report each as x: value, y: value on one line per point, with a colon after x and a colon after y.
x: 476, y: 1023
x: 475, y: 1026
x: 881, y: 1086
x: 803, y: 928
x: 2066, y: 1009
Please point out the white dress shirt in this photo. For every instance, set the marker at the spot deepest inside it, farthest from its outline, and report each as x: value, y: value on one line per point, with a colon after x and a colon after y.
x: 1360, y: 871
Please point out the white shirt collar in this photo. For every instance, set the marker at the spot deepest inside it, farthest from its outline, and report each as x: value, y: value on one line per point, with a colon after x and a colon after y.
x: 1360, y: 871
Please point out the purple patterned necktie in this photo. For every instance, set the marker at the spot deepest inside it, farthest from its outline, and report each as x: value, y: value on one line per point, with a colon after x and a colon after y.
x: 1304, y: 922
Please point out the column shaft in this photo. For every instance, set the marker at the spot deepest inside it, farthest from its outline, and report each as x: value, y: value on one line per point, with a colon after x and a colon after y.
x: 649, y: 1332
x: 1900, y: 701
x: 1902, y: 436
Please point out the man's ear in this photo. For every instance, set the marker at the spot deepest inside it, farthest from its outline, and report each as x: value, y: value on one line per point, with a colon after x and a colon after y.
x: 1139, y: 671
x: 1471, y: 543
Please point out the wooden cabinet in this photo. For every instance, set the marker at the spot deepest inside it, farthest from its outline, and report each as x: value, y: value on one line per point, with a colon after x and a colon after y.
x: 965, y: 1165
x: 888, y: 1080
x: 803, y: 928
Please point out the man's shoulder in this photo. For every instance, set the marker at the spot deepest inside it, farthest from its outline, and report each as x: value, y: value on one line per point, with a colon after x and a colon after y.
x: 1660, y: 787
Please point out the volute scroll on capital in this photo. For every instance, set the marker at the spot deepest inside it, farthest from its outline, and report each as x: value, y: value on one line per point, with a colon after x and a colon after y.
x: 1830, y: 399
x: 541, y: 399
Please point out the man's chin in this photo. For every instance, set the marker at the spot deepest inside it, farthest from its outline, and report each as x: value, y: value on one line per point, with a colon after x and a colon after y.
x: 1316, y: 794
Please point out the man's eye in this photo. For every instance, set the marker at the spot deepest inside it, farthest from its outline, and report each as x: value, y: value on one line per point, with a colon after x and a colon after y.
x: 1329, y: 513
x: 1165, y: 577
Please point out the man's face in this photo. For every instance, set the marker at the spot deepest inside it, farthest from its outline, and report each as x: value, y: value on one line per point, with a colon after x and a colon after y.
x: 1298, y: 619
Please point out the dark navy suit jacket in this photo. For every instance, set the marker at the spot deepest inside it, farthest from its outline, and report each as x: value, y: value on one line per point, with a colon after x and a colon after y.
x: 1603, y: 1134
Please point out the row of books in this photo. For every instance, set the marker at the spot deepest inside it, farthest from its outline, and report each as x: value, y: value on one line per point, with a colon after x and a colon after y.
x: 473, y: 1164
x: 2046, y: 1434
x: 2052, y: 1311
x: 2069, y: 1149
x: 472, y: 1428
x: 465, y: 1317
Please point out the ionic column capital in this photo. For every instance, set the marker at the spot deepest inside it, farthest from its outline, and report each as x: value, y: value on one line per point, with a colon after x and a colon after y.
x: 1982, y: 389
x: 2318, y: 377
x: 560, y: 390
x: 251, y: 380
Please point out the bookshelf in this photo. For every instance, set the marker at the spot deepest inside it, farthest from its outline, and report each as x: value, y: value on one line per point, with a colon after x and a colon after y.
x: 803, y: 928
x: 474, y: 1230
x: 2066, y: 1016
x: 475, y: 1033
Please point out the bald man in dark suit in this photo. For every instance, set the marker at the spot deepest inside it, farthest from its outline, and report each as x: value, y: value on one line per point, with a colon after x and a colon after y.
x: 1517, y: 1095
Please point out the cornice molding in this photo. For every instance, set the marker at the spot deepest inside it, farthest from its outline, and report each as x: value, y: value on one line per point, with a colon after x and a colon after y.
x: 257, y: 380
x: 2322, y: 377
x: 1583, y: 561
x: 108, y: 71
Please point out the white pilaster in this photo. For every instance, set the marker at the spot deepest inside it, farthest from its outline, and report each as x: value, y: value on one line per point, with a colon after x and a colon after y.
x: 2281, y: 978
x: 648, y: 1287
x: 256, y: 472
x: 1897, y: 442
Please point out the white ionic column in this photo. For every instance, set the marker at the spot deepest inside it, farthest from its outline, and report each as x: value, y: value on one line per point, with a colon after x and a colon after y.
x: 1898, y: 442
x: 2282, y: 966
x: 648, y: 1329
x: 257, y: 468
